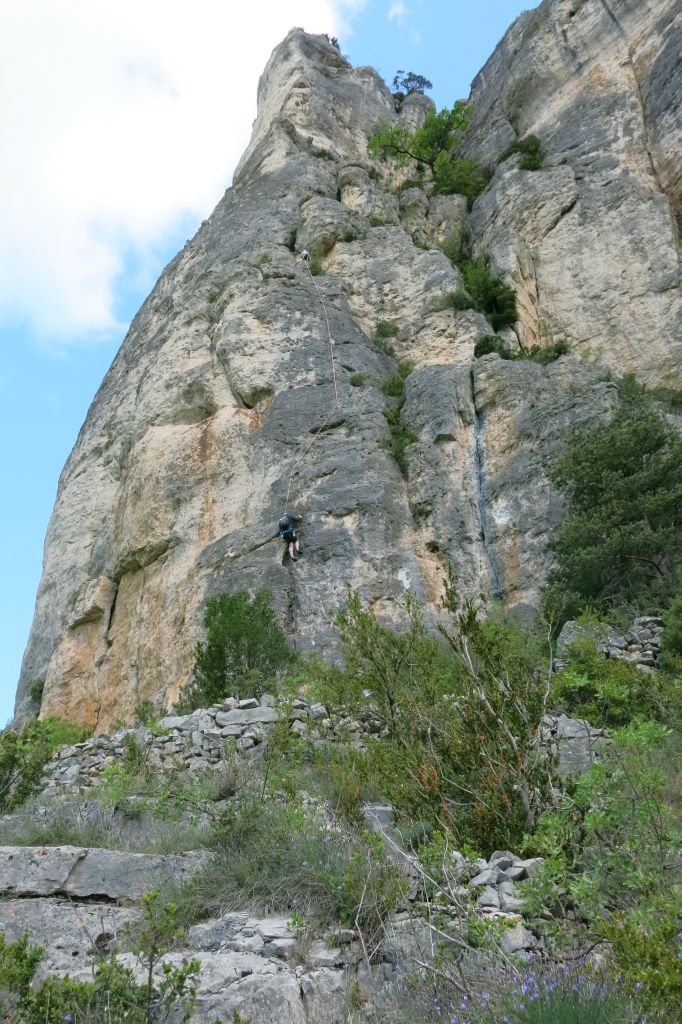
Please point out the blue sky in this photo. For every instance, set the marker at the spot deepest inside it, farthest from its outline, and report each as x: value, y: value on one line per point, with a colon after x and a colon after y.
x: 121, y: 143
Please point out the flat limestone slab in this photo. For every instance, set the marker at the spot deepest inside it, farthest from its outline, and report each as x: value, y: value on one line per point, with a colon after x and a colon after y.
x: 84, y: 873
x: 68, y: 932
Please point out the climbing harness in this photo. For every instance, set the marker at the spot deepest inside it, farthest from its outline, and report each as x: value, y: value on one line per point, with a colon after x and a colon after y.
x: 305, y: 255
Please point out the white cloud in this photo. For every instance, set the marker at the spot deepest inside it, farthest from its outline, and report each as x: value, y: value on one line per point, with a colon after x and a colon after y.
x: 118, y: 119
x: 397, y: 11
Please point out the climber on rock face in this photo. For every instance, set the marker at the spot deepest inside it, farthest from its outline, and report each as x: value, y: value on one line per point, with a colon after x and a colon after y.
x: 287, y: 531
x: 305, y: 256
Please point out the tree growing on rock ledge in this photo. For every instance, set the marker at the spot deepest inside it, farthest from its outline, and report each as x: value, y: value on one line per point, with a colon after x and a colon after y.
x: 434, y: 146
x: 408, y: 82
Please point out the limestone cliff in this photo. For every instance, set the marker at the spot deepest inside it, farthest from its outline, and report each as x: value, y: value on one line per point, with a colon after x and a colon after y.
x: 180, y: 471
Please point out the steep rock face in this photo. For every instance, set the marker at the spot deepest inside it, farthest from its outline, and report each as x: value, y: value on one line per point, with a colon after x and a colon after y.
x: 591, y: 241
x: 182, y: 468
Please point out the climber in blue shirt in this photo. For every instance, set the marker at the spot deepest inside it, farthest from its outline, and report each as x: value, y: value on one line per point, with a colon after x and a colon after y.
x: 287, y: 531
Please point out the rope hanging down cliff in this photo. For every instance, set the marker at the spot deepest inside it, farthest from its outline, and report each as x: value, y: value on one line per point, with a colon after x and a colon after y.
x: 335, y: 404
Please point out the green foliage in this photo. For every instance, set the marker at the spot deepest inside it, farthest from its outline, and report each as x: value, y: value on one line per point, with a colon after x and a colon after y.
x: 379, y: 222
x: 407, y: 82
x: 462, y: 176
x: 322, y: 154
x: 400, y: 435
x: 357, y: 380
x: 271, y: 857
x: 18, y: 963
x: 114, y: 994
x: 488, y: 293
x: 353, y: 234
x: 545, y: 354
x: 458, y: 300
x: 671, y: 640
x: 611, y: 849
x: 459, y: 721
x: 647, y: 946
x: 315, y: 262
x: 669, y: 399
x: 453, y: 247
x: 611, y: 692
x: 243, y: 651
x: 434, y: 145
x: 488, y: 343
x: 621, y: 536
x: 441, y: 133
x: 23, y: 756
x: 384, y: 330
x: 35, y: 690
x: 532, y: 153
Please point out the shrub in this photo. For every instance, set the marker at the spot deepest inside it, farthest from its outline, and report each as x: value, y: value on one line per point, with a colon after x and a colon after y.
x: 384, y: 330
x: 459, y: 721
x: 488, y: 293
x: 113, y: 994
x: 541, y: 992
x: 36, y: 689
x: 322, y: 154
x: 532, y: 153
x: 453, y: 247
x: 401, y: 436
x: 357, y: 380
x: 545, y: 354
x: 23, y: 757
x: 458, y: 300
x: 671, y: 640
x: 611, y: 847
x: 488, y: 343
x: 244, y: 649
x: 621, y: 536
x: 462, y: 176
x: 610, y: 692
x: 272, y: 858
x: 315, y: 262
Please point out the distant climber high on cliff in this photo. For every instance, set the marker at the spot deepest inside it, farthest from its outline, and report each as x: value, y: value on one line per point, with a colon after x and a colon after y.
x: 287, y: 531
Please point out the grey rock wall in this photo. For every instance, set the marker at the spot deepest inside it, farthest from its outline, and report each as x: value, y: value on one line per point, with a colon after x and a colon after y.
x: 181, y: 470
x: 591, y: 241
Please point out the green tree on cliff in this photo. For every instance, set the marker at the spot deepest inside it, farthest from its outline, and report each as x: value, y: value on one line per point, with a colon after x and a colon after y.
x: 621, y: 538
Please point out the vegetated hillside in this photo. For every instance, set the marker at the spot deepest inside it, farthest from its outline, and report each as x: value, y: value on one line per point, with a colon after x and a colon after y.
x: 435, y: 457
x: 468, y: 809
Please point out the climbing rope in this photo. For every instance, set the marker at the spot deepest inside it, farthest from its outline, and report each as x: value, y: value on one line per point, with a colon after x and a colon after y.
x: 335, y: 404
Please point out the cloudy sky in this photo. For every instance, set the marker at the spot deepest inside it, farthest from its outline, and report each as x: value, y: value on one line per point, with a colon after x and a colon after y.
x: 121, y: 123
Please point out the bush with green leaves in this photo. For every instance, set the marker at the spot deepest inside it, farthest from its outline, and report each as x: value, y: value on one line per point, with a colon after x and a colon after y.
x: 620, y: 541
x: 23, y: 756
x: 611, y: 692
x: 460, y: 713
x: 489, y: 343
x: 671, y: 640
x: 273, y: 857
x: 243, y: 651
x: 612, y: 853
x: 113, y: 994
x: 400, y: 434
x: 434, y: 145
x: 488, y: 293
x: 532, y: 153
